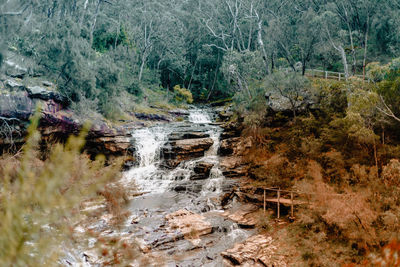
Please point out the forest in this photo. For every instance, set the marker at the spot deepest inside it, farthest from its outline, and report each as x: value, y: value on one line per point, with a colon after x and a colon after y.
x: 97, y: 51
x: 306, y: 94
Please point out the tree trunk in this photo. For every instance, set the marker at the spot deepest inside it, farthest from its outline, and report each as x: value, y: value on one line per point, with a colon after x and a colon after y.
x: 344, y: 61
x: 142, y: 67
x: 261, y: 44
x: 365, y: 47
x: 95, y: 21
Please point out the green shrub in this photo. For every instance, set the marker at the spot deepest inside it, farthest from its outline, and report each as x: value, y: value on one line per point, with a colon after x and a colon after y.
x: 183, y: 94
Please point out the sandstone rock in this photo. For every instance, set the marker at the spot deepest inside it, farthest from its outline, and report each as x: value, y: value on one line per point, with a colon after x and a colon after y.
x: 14, y: 70
x: 177, y: 151
x: 277, y: 103
x: 228, y: 146
x: 179, y: 112
x: 48, y: 84
x: 191, y: 225
x: 201, y: 170
x: 257, y: 250
x: 245, y: 217
x: 152, y: 117
x: 116, y: 144
x: 13, y: 85
x: 232, y: 167
x: 44, y: 94
x: 187, y: 135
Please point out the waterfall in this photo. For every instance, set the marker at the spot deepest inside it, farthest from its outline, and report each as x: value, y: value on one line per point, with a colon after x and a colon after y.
x: 198, y: 116
x: 147, y: 176
x: 214, y: 182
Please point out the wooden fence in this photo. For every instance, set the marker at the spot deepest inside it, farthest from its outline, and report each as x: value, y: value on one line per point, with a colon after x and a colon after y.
x: 332, y: 75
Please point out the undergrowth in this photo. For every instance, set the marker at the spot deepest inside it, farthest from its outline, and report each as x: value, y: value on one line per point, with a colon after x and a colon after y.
x: 39, y: 199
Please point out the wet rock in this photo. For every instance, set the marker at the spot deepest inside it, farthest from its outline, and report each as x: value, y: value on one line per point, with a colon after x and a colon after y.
x: 245, y: 217
x: 179, y: 112
x: 177, y: 151
x: 257, y: 250
x: 191, y: 225
x: 187, y: 135
x: 228, y: 146
x: 232, y: 167
x: 225, y: 115
x: 152, y: 117
x: 201, y: 170
x: 187, y: 186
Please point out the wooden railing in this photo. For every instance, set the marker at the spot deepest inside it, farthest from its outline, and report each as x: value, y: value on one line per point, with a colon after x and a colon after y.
x: 290, y: 201
x: 279, y: 200
x: 332, y: 75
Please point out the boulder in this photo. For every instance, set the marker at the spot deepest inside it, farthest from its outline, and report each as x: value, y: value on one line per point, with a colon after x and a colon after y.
x: 14, y: 70
x: 16, y: 106
x: 233, y: 167
x: 228, y: 146
x: 13, y: 85
x: 245, y: 216
x: 44, y: 94
x: 278, y: 103
x: 201, y: 170
x: 177, y: 151
x: 257, y: 250
x: 191, y: 225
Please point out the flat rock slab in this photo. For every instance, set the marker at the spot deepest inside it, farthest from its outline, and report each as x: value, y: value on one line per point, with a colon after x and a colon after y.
x: 190, y: 224
x: 257, y: 250
x: 246, y: 216
x: 187, y: 135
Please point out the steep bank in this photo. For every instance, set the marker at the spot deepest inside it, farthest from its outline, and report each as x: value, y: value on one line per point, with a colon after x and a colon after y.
x: 344, y: 173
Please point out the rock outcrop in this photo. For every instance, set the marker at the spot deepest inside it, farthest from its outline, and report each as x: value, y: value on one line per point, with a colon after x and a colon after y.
x: 278, y: 103
x: 18, y: 103
x: 191, y: 225
x: 246, y: 216
x: 257, y: 250
x: 177, y: 151
x: 201, y: 170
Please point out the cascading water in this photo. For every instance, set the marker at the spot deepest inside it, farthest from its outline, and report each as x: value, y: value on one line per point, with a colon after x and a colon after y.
x: 147, y: 176
x: 165, y: 191
x: 198, y: 116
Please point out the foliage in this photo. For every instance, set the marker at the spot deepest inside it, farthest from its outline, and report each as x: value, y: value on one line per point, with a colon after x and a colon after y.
x: 183, y: 95
x: 39, y: 199
x: 104, y: 41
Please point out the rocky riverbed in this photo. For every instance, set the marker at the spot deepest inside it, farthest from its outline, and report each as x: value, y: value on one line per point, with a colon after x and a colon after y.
x: 179, y: 213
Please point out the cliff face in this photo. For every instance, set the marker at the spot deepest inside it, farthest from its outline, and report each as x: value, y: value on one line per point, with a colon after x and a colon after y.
x: 19, y: 100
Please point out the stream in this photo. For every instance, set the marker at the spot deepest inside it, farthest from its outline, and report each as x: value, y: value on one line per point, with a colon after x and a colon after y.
x: 167, y: 190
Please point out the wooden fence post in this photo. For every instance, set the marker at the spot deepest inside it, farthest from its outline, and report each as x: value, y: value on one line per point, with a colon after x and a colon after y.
x: 279, y: 196
x: 291, y: 206
x: 264, y: 202
x: 326, y: 75
x: 340, y: 76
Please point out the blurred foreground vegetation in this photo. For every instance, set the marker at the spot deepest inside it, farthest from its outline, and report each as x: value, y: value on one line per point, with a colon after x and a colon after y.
x: 40, y: 198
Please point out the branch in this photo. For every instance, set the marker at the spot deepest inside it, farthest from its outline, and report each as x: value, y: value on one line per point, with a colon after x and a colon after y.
x: 387, y: 111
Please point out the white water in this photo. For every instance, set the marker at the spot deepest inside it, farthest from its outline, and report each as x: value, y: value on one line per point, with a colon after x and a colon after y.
x: 198, y: 116
x: 147, y: 176
x: 214, y: 183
